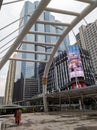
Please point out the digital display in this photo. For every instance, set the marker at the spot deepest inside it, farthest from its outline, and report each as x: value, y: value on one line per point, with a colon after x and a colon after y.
x: 74, y: 62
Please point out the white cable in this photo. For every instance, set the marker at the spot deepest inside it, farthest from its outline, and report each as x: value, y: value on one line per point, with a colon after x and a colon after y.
x: 11, y: 33
x: 7, y: 42
x: 11, y: 23
x: 12, y: 2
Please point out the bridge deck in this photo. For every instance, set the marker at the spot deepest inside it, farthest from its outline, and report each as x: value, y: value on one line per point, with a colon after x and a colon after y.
x: 54, y: 121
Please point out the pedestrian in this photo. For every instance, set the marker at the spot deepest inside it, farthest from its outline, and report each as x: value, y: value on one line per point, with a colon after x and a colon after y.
x: 18, y: 116
x: 15, y: 115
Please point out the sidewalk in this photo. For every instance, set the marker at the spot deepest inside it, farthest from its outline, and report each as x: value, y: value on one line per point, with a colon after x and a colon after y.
x: 53, y: 121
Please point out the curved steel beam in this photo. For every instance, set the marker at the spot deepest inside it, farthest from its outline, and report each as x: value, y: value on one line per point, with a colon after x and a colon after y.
x: 85, y: 12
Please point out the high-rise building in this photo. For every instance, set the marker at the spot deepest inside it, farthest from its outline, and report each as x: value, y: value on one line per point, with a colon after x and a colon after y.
x: 87, y: 39
x: 30, y: 70
x: 10, y: 82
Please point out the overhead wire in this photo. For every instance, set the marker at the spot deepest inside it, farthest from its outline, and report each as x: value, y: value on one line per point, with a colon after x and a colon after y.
x: 11, y: 23
x: 11, y: 2
x: 11, y: 33
x: 5, y: 49
x: 7, y: 43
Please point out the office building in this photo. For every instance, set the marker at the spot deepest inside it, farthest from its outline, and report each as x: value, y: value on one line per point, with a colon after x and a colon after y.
x: 30, y: 70
x: 29, y: 90
x: 87, y: 39
x: 18, y: 90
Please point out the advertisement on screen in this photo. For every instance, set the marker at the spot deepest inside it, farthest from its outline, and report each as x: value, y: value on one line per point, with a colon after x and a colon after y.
x: 74, y: 62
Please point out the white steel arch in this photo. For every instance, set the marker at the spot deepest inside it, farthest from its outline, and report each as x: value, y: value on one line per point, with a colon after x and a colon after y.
x: 34, y: 18
x: 86, y: 11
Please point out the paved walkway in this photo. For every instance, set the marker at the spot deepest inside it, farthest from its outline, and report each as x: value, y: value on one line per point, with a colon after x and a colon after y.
x: 53, y: 121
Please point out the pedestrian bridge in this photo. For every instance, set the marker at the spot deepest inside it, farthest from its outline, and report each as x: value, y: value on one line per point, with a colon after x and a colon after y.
x: 45, y: 5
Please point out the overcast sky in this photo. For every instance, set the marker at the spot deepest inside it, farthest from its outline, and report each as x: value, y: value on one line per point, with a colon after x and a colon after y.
x: 11, y: 12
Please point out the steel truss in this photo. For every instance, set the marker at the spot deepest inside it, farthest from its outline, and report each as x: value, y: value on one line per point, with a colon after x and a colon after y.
x: 33, y: 19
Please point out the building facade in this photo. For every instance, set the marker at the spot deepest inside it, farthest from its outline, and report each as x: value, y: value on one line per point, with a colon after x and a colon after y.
x: 29, y: 90
x: 87, y: 39
x: 61, y: 75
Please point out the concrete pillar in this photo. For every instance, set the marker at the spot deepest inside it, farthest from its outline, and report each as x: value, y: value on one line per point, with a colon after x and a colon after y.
x: 80, y: 104
x: 44, y: 82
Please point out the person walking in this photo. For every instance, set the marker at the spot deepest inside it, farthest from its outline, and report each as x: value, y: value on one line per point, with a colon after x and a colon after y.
x: 18, y: 116
x: 15, y: 115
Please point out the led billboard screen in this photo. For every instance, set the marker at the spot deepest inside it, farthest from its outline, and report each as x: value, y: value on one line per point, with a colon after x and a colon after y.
x: 74, y: 62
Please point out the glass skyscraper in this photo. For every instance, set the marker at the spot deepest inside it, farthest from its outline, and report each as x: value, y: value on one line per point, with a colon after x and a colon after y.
x: 29, y: 69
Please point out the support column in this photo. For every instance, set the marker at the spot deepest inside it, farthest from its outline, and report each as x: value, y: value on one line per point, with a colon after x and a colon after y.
x: 80, y: 104
x: 44, y: 83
